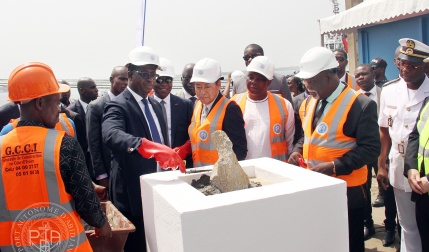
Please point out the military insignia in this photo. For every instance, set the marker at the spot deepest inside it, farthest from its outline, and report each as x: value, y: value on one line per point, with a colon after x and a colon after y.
x: 390, y: 121
x: 411, y: 44
x: 277, y: 128
x: 203, y: 135
x: 322, y: 128
x: 391, y: 82
x: 409, y: 51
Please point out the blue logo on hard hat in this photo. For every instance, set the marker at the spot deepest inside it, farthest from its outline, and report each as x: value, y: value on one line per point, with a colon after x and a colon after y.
x: 277, y: 128
x: 322, y: 128
x: 203, y: 135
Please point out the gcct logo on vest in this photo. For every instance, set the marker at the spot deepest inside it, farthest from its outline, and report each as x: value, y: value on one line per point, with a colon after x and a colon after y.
x: 322, y: 128
x: 277, y: 128
x: 42, y: 227
x: 203, y: 135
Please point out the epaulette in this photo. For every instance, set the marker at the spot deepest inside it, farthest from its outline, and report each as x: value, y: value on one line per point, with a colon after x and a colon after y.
x: 391, y: 82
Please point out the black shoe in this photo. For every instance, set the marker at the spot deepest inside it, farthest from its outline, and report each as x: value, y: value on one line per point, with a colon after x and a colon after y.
x: 379, y: 201
x: 389, y: 238
x: 368, y: 232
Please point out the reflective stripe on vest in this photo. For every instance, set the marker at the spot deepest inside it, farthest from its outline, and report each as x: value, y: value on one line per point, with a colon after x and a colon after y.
x: 328, y: 141
x: 63, y: 124
x: 203, y: 149
x: 350, y: 83
x: 278, y: 117
x: 43, y: 217
x: 423, y: 128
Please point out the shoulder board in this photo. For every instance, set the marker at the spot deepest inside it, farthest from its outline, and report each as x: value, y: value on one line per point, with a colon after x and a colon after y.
x: 391, y: 82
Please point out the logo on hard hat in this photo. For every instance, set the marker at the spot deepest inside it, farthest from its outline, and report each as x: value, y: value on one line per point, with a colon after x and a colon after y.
x: 411, y: 44
x: 152, y: 57
x: 203, y: 135
x: 200, y: 72
x: 45, y: 226
x: 262, y: 66
x: 277, y: 128
x: 322, y: 128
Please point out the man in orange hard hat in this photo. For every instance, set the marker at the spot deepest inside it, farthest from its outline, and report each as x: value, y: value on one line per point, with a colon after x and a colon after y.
x: 36, y: 157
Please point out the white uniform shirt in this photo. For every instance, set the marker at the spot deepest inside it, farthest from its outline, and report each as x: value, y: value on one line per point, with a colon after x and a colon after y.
x: 257, y: 125
x: 402, y: 105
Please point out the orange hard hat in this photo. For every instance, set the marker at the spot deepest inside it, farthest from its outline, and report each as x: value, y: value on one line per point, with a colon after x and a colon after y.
x: 33, y: 80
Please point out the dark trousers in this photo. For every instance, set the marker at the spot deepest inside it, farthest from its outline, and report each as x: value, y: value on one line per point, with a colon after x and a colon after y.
x: 369, y: 222
x: 356, y: 239
x: 422, y: 217
x: 390, y: 210
x: 136, y: 241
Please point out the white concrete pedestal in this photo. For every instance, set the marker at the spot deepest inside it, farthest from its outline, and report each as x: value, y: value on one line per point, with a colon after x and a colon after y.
x: 299, y: 210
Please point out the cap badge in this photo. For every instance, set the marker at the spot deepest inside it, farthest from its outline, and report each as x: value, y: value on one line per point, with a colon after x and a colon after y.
x: 411, y: 44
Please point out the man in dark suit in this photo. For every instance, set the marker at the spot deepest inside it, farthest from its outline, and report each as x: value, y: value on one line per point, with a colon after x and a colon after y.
x: 214, y: 112
x: 100, y: 153
x: 178, y: 111
x: 277, y: 86
x: 132, y: 129
x: 8, y: 111
x: 87, y: 92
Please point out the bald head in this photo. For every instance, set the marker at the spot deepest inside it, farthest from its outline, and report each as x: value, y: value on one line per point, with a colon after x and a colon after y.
x: 118, y: 80
x: 62, y: 81
x: 186, y: 78
x: 251, y: 51
x: 87, y: 89
x: 255, y: 48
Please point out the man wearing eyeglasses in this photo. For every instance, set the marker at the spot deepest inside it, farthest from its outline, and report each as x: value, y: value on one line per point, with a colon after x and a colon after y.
x: 400, y: 103
x: 177, y: 111
x: 341, y: 57
x: 132, y: 129
x: 277, y: 86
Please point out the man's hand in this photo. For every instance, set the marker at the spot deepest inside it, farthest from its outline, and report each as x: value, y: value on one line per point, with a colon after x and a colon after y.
x: 382, y: 177
x: 325, y: 168
x: 425, y: 185
x: 164, y: 155
x: 415, y: 181
x: 184, y: 150
x: 101, y: 191
x: 104, y: 232
x: 294, y: 158
x: 104, y: 182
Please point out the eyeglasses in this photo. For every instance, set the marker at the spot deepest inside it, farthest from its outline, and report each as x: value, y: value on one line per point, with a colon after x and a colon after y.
x: 340, y: 59
x: 247, y: 57
x: 146, y: 75
x: 408, y: 65
x: 167, y: 80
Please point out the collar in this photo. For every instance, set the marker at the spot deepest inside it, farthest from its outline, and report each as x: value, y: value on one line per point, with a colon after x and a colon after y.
x: 135, y: 95
x: 84, y: 104
x: 187, y: 95
x: 111, y: 95
x: 209, y: 106
x: 373, y: 90
x: 166, y: 99
x: 343, y: 79
x: 336, y: 93
x: 29, y: 123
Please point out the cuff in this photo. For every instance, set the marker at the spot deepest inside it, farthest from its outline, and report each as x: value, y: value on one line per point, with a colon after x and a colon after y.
x: 102, y: 176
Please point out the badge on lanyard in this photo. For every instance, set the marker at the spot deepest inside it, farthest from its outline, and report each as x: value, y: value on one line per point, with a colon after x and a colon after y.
x: 390, y: 121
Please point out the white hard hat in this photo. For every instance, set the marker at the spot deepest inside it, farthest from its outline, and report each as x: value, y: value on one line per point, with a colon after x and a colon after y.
x: 315, y: 61
x: 166, y: 68
x: 143, y: 55
x: 426, y: 60
x: 206, y: 70
x: 236, y: 75
x: 262, y: 65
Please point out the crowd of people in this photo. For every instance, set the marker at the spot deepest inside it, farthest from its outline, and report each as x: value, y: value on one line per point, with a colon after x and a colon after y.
x: 322, y: 118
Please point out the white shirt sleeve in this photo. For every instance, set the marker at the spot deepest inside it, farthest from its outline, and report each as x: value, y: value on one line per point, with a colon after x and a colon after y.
x: 382, y: 117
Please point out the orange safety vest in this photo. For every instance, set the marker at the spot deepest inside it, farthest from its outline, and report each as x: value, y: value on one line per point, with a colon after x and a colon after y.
x: 328, y: 142
x: 36, y: 212
x: 63, y: 124
x: 278, y: 117
x: 352, y: 84
x: 203, y: 149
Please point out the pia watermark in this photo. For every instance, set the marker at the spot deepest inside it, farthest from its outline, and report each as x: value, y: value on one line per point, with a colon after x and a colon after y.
x: 44, y: 227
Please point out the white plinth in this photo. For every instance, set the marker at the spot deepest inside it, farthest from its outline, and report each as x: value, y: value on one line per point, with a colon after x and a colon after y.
x: 300, y: 211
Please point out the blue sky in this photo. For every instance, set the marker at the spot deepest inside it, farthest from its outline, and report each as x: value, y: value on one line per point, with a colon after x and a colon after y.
x: 88, y: 38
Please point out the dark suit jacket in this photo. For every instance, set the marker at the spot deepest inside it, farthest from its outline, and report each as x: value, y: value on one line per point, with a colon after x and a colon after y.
x: 181, y: 115
x: 123, y: 127
x: 81, y: 137
x: 100, y: 153
x: 8, y: 111
x: 233, y: 125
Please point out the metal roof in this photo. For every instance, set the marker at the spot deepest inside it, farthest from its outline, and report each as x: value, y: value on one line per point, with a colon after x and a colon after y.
x: 372, y: 12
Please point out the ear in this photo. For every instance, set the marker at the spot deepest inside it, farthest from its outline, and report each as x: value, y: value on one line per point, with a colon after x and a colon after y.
x: 39, y: 102
x: 111, y: 80
x: 130, y: 75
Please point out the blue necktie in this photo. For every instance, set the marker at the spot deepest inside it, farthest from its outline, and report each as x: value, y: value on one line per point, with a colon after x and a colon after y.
x: 152, y: 124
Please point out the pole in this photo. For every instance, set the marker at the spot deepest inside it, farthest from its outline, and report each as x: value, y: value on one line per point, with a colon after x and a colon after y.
x: 144, y: 20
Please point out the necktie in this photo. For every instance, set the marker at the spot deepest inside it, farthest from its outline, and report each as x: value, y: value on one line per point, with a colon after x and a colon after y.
x: 152, y: 124
x: 164, y: 112
x: 193, y: 99
x: 318, y: 114
x: 367, y: 94
x: 204, y: 113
